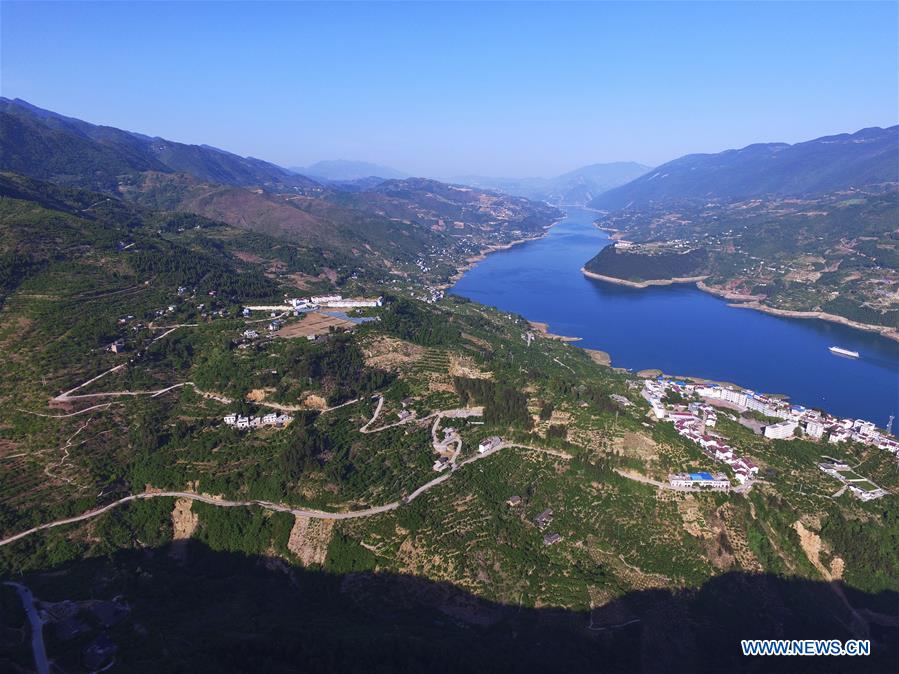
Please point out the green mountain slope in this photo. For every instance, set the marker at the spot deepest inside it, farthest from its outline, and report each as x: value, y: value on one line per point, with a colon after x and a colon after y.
x: 46, y: 145
x: 867, y: 157
x: 448, y: 556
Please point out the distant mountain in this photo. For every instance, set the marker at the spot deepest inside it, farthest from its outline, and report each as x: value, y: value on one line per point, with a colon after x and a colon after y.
x: 351, y: 223
x: 867, y: 157
x: 575, y: 187
x: 49, y: 146
x: 340, y: 170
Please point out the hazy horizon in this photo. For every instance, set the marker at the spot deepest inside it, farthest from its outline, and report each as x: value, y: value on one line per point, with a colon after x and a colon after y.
x: 406, y: 86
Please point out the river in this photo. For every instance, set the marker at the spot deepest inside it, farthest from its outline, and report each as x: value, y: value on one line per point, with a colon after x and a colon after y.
x: 682, y: 330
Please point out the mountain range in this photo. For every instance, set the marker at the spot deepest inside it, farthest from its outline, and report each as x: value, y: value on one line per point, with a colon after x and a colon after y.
x: 806, y: 228
x: 369, y: 530
x: 343, y: 170
x: 369, y: 222
x: 825, y: 164
x: 50, y: 146
x: 576, y: 187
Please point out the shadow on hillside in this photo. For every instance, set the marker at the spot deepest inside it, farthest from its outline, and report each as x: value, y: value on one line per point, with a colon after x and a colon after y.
x: 225, y: 612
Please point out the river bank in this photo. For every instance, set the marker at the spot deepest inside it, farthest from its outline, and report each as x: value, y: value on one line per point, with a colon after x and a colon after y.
x: 684, y: 328
x: 745, y: 301
x: 642, y: 284
x: 884, y: 331
x: 543, y: 329
x: 472, y: 261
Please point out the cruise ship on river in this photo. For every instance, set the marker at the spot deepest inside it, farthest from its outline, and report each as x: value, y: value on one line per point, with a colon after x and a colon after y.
x: 843, y: 352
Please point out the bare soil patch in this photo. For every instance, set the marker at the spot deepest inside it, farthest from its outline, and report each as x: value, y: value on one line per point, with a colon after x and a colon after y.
x: 314, y: 324
x: 460, y: 366
x: 309, y: 539
x: 599, y: 357
x: 184, y: 521
x: 812, y: 545
x: 389, y: 353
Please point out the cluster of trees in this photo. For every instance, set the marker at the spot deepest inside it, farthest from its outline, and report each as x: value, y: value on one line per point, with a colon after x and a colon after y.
x: 503, y: 405
x: 296, y: 259
x: 596, y: 395
x: 642, y: 267
x: 251, y: 531
x: 557, y: 432
x: 179, y: 266
x: 305, y: 446
x: 869, y: 548
x: 409, y: 321
x: 337, y: 366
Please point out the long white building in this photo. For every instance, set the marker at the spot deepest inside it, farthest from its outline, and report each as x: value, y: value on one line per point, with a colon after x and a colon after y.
x: 781, y: 431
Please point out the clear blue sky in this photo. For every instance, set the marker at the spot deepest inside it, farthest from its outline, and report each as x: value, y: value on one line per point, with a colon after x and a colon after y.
x: 449, y: 89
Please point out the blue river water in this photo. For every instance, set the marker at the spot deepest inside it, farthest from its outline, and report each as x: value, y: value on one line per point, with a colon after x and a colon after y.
x: 684, y: 331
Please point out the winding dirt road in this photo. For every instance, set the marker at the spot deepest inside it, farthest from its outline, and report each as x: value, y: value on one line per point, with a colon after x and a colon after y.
x: 277, y: 507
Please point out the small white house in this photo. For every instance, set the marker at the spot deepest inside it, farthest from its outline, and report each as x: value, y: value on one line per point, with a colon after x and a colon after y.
x: 489, y: 444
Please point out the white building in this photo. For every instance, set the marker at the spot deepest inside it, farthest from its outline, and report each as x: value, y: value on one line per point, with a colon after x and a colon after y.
x: 489, y: 444
x: 839, y: 435
x: 351, y: 304
x: 781, y: 431
x: 718, y: 482
x: 738, y: 398
x: 814, y: 429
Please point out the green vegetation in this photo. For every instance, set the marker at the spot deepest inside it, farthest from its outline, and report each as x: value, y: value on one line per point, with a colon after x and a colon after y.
x: 370, y: 408
x: 503, y: 405
x: 417, y: 324
x: 821, y: 252
x: 645, y: 266
x: 868, y: 546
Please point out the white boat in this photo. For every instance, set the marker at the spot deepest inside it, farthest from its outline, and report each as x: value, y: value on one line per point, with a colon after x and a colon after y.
x: 844, y: 352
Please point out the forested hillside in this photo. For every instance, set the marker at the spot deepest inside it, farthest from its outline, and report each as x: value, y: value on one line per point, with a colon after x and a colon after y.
x: 867, y: 157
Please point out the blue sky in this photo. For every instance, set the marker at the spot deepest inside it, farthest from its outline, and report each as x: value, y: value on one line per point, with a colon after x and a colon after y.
x: 460, y: 88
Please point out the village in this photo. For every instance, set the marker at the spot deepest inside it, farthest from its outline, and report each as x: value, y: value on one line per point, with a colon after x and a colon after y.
x: 299, y: 305
x: 271, y: 419
x: 693, y: 418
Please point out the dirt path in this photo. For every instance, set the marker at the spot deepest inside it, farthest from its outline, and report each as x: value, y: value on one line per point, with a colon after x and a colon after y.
x: 277, y: 507
x: 374, y: 417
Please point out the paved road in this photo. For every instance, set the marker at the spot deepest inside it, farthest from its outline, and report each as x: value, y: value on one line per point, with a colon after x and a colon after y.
x: 37, y: 628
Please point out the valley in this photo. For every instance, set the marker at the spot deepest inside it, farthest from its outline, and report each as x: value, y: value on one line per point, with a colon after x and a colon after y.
x: 291, y: 413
